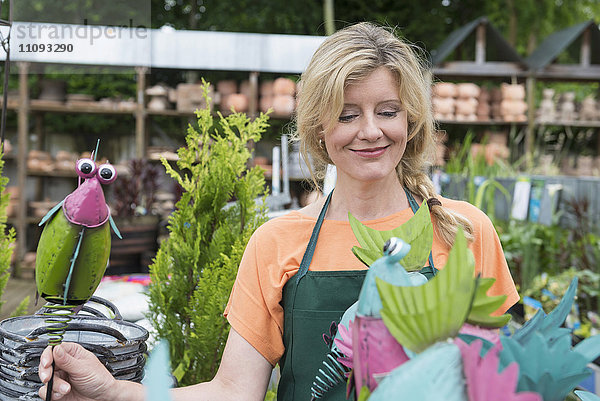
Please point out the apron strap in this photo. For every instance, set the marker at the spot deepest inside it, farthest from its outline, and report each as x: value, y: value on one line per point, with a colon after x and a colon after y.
x: 310, y: 249
x: 415, y: 206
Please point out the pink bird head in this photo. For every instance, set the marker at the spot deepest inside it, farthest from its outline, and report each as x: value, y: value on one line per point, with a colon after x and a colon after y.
x: 86, y: 205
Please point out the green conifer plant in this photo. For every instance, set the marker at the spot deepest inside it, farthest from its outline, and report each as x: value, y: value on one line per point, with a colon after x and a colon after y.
x: 7, y: 239
x: 194, y: 269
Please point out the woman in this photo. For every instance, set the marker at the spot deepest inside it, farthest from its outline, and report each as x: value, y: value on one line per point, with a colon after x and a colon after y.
x: 364, y: 107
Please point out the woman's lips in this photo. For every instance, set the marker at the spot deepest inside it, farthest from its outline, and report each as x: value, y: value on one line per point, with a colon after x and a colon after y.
x: 370, y: 152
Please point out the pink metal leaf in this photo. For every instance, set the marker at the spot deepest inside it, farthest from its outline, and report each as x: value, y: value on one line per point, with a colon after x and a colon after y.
x: 492, y: 335
x: 375, y: 351
x: 484, y: 383
x: 344, y: 344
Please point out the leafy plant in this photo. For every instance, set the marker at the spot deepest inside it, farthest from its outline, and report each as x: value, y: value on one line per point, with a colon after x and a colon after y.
x: 479, y: 176
x: 7, y: 239
x: 195, y: 268
x: 134, y: 193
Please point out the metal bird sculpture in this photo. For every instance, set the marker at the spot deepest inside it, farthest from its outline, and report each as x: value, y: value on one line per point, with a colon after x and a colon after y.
x: 375, y: 351
x: 158, y: 379
x: 74, y: 248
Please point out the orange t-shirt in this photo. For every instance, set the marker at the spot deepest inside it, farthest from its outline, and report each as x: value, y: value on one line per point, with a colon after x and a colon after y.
x: 275, y: 251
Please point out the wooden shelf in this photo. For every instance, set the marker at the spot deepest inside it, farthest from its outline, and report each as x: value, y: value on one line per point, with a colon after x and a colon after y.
x: 170, y: 112
x: 54, y: 173
x: 488, y: 122
x: 92, y: 109
x: 583, y: 124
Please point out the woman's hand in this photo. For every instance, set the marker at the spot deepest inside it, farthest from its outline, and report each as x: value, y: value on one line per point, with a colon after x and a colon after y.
x: 78, y: 375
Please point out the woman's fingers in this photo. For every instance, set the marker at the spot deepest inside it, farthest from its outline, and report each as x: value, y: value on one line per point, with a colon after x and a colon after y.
x: 59, y: 389
x: 45, y: 367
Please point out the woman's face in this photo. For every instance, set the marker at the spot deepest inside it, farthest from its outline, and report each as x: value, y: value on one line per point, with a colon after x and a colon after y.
x: 369, y: 139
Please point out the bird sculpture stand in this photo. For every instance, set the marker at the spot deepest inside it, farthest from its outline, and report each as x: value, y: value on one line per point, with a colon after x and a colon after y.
x: 73, y: 251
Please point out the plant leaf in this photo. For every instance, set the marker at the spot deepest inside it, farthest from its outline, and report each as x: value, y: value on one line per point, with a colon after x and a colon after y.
x: 418, y: 232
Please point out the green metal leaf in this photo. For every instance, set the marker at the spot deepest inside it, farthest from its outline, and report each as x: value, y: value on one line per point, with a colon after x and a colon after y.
x: 421, y: 316
x: 418, y: 232
x: 364, y: 394
x: 366, y: 256
x: 484, y: 305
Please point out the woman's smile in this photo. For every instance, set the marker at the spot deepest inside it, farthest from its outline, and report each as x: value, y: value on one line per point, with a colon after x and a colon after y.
x: 371, y: 153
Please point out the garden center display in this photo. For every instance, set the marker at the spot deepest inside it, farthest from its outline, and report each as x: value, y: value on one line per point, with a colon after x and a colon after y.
x: 72, y: 256
x: 407, y: 337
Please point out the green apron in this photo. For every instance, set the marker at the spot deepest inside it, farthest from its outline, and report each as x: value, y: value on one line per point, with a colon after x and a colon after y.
x: 311, y: 300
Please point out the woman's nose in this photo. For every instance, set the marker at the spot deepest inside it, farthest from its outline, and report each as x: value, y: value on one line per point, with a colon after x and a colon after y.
x: 369, y: 130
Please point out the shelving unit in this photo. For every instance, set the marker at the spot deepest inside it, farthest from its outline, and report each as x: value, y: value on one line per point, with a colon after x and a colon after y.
x: 539, y: 66
x: 184, y: 50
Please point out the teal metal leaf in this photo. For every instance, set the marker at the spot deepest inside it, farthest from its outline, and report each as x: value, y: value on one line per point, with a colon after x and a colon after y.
x: 548, y: 366
x: 157, y: 379
x: 586, y: 396
x: 436, y: 374
x: 421, y: 316
x: 549, y: 326
x: 418, y: 232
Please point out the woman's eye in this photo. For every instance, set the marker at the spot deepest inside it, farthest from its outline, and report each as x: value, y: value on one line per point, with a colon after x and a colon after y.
x: 346, y: 118
x: 390, y: 114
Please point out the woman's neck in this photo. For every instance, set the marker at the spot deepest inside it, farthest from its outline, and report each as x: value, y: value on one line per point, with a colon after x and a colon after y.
x: 366, y: 200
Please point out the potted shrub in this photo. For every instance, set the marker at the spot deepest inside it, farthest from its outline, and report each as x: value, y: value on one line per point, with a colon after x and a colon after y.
x: 134, y: 195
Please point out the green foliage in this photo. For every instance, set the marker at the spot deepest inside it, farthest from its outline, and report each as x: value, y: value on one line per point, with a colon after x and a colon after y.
x: 22, y: 308
x: 481, y: 186
x: 418, y: 232
x: 532, y: 248
x: 7, y: 239
x: 195, y: 268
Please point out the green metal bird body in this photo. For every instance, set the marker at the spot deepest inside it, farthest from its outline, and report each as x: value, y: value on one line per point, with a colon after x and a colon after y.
x: 74, y: 247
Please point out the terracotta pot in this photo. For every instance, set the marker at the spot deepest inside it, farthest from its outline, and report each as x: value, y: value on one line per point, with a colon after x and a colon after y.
x: 284, y: 86
x: 283, y: 105
x: 265, y: 103
x: 237, y: 101
x: 266, y: 88
x: 227, y: 87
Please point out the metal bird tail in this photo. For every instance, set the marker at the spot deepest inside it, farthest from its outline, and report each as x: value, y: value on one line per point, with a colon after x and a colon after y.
x: 330, y: 376
x: 58, y: 318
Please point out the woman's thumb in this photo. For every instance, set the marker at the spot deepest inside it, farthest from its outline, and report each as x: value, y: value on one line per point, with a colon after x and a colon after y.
x: 64, y: 355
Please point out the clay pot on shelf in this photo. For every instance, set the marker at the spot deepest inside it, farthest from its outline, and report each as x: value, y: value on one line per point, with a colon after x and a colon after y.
x: 237, y: 101
x: 284, y: 86
x: 283, y: 105
x: 227, y: 87
x: 53, y: 90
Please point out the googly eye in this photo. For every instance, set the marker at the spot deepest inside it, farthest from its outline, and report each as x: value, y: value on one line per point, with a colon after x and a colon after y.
x: 86, y: 168
x: 392, y: 246
x: 106, y: 173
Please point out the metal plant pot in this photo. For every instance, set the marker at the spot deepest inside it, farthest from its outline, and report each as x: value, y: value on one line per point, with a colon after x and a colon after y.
x: 118, y: 344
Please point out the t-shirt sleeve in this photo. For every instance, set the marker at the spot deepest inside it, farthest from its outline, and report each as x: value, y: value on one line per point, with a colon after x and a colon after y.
x: 253, y: 309
x: 492, y: 262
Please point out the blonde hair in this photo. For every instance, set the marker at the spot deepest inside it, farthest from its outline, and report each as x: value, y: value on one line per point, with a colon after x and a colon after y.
x: 348, y: 56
